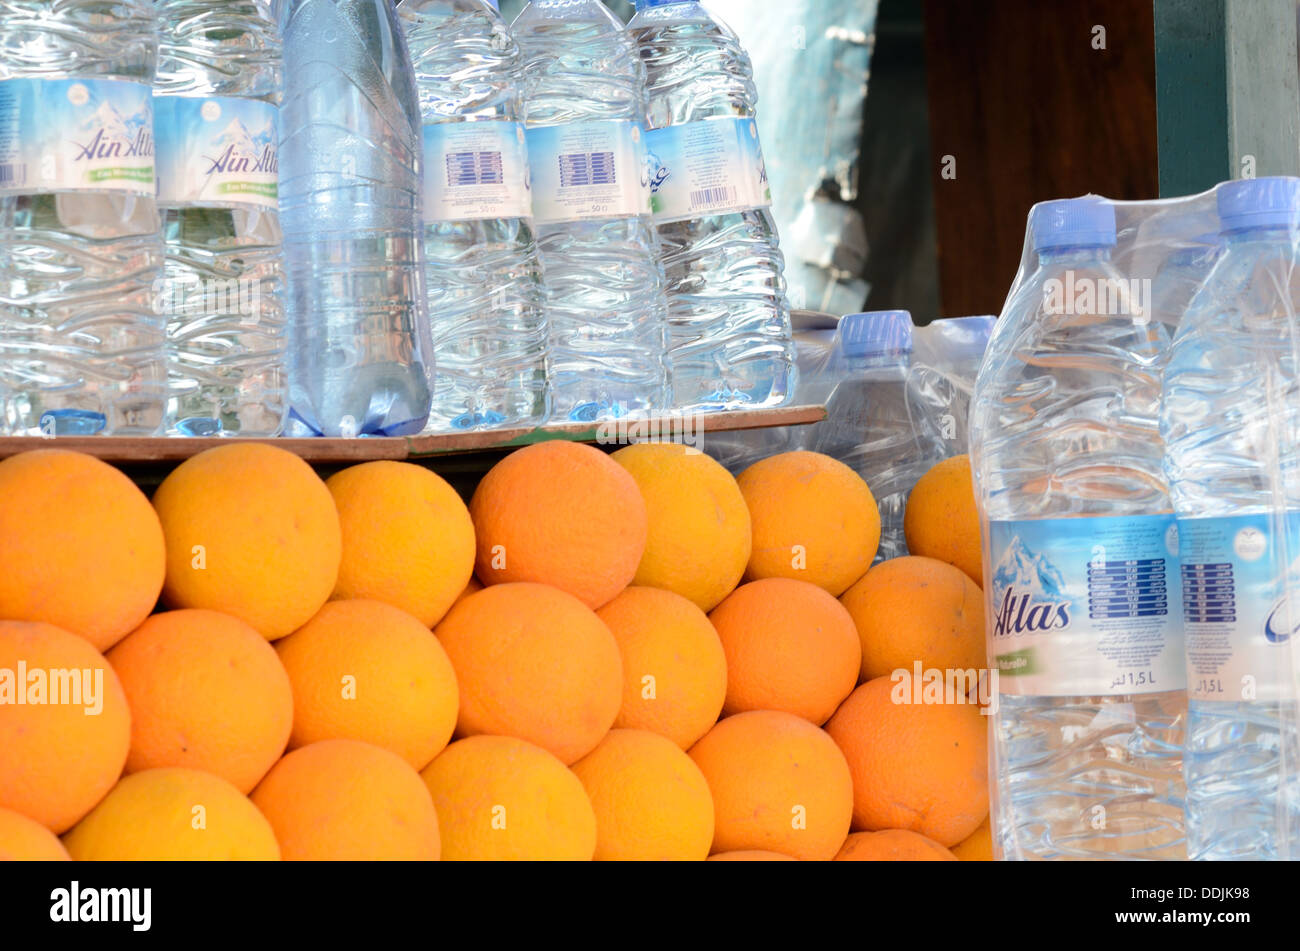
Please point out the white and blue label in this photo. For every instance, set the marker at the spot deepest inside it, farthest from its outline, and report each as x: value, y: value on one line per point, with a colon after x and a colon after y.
x: 76, y: 135
x: 217, y: 149
x: 585, y: 170
x: 1238, y: 624
x: 476, y: 170
x: 710, y: 167
x: 1086, y: 606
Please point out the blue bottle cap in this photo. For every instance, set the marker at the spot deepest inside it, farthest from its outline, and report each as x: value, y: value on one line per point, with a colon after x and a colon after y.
x: 647, y: 4
x: 1258, y: 203
x: 981, y: 326
x: 1072, y: 223
x: 878, y: 333
x: 968, y: 336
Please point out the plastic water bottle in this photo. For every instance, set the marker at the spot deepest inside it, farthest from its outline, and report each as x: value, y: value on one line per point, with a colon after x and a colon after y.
x: 483, y: 276
x: 946, y: 357
x: 1220, y: 425
x: 871, y: 424
x: 350, y: 182
x: 1179, y: 276
x: 216, y: 105
x: 81, y: 345
x: 814, y: 339
x: 728, y: 317
x: 1081, y: 572
x: 585, y: 108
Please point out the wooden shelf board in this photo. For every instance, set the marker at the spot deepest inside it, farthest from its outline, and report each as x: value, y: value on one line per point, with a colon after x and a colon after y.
x: 129, y: 450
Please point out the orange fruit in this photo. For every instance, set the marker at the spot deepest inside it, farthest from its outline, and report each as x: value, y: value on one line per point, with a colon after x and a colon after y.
x: 534, y: 663
x: 751, y: 855
x: 57, y: 759
x: 916, y: 766
x: 790, y: 646
x: 978, y: 846
x: 674, y: 670
x: 699, y: 531
x: 779, y: 784
x: 499, y: 798
x: 363, y: 670
x: 917, y: 609
x: 407, y: 538
x: 251, y: 531
x: 207, y: 692
x: 650, y: 799
x: 892, y: 845
x: 26, y: 840
x: 563, y: 514
x: 814, y: 520
x: 348, y: 800
x: 82, y: 549
x: 941, y: 520
x: 172, y: 814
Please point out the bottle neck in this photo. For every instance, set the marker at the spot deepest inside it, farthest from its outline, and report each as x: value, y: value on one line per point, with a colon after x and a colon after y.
x: 876, y: 361
x: 1074, y: 256
x: 1270, y: 233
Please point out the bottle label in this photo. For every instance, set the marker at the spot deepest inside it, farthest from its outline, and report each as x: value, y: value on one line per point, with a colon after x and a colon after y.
x: 217, y: 149
x: 476, y: 170
x: 76, y: 135
x: 585, y: 170
x: 1086, y: 606
x: 1235, y: 617
x: 710, y: 167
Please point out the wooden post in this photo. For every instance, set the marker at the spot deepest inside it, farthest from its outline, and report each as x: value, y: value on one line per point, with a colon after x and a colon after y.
x: 1227, y: 92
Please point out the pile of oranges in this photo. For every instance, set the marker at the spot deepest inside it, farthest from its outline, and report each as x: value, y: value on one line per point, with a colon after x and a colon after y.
x: 613, y: 656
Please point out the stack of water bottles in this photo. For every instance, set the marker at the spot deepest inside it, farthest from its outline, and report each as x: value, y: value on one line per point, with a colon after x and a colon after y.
x: 896, y: 398
x: 1134, y: 444
x: 946, y: 357
x: 142, y: 287
x: 370, y: 220
x: 874, y: 423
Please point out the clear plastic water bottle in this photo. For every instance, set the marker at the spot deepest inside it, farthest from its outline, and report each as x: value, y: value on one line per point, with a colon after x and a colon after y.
x: 216, y: 116
x: 81, y: 345
x: 482, y: 273
x: 1179, y: 276
x: 946, y: 357
x: 1081, y: 557
x: 1233, y: 345
x: 814, y: 339
x: 871, y: 423
x: 728, y: 317
x: 350, y: 183
x: 585, y: 108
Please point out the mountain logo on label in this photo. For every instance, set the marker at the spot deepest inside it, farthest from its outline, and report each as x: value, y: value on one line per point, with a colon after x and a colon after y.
x: 1029, y: 591
x: 244, y: 152
x: 110, y: 135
